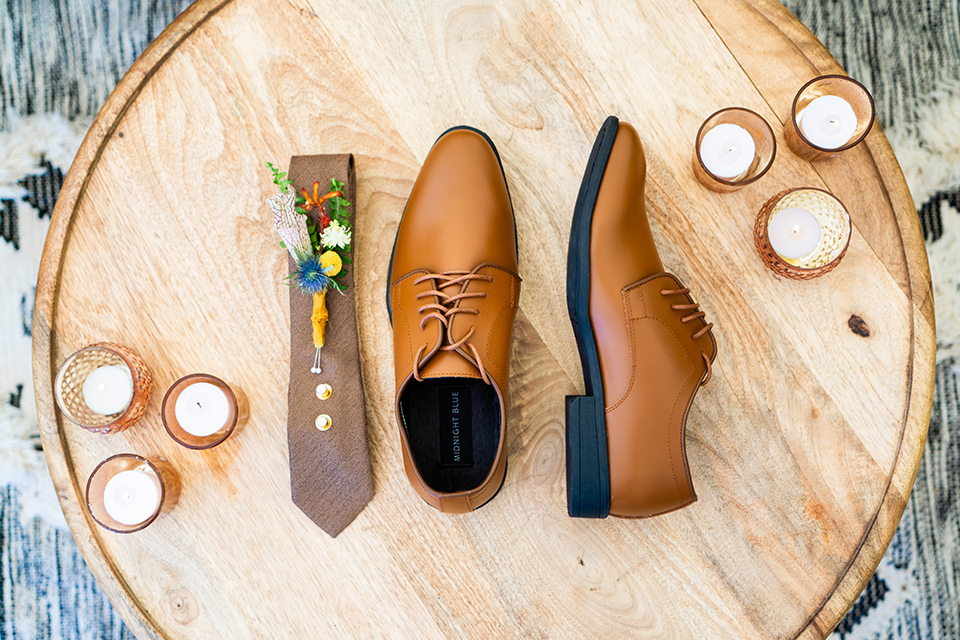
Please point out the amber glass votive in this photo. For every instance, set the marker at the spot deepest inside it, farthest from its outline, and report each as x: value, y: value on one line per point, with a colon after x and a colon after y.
x: 802, y: 233
x: 104, y: 388
x: 830, y: 114
x: 734, y: 147
x: 127, y: 492
x: 200, y: 411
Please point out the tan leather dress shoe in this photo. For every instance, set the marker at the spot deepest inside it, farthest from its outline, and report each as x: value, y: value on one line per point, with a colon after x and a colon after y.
x: 644, y: 346
x: 452, y: 297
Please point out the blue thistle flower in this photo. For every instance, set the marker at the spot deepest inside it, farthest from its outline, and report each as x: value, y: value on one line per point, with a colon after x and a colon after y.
x: 310, y: 275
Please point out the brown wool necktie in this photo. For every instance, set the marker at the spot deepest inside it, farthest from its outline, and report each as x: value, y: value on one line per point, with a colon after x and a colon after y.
x: 330, y: 474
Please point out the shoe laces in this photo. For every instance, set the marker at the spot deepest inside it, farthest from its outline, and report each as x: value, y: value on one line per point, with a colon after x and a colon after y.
x: 445, y: 307
x: 694, y: 308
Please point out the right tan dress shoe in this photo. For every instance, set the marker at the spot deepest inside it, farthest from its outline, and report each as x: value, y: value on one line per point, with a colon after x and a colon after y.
x: 452, y: 296
x: 644, y: 346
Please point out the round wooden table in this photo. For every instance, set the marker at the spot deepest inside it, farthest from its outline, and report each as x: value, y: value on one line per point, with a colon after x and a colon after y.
x: 803, y: 448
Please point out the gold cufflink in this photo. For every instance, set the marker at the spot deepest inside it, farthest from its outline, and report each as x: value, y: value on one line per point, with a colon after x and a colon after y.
x: 324, y: 391
x: 323, y: 422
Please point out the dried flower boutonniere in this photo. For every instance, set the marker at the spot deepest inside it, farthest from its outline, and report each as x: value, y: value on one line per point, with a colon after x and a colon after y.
x: 319, y: 240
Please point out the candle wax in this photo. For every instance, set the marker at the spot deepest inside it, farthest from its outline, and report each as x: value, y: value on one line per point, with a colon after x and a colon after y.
x: 108, y: 390
x: 828, y: 122
x: 794, y: 233
x: 727, y: 150
x: 132, y: 496
x: 202, y: 409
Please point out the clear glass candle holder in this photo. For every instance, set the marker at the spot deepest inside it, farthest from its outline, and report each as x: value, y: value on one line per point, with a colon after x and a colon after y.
x: 195, y: 426
x: 852, y: 92
x: 765, y: 149
x: 72, y: 378
x: 131, y: 502
x: 835, y: 229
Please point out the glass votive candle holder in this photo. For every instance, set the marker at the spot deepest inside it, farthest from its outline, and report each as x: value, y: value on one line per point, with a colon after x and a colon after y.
x: 802, y: 233
x: 127, y: 492
x: 734, y: 147
x: 200, y: 411
x: 830, y: 114
x: 104, y: 388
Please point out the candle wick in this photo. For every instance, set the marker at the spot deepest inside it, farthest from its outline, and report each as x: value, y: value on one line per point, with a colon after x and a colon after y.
x: 199, y: 405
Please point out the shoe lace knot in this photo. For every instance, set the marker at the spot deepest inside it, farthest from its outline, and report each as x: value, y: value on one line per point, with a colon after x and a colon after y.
x: 444, y: 307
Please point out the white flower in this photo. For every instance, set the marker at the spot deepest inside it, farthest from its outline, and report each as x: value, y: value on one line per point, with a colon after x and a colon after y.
x: 335, y: 236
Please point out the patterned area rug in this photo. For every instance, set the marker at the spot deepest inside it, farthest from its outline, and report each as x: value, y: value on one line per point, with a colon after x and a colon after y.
x: 59, y: 59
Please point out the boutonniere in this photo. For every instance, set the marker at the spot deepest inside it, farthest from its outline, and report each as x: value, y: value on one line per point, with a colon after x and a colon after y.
x: 316, y: 230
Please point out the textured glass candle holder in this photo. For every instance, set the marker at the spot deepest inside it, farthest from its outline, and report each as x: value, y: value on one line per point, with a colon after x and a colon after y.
x: 832, y: 85
x: 159, y: 469
x: 236, y: 417
x: 764, y: 141
x: 68, y: 387
x: 835, y: 230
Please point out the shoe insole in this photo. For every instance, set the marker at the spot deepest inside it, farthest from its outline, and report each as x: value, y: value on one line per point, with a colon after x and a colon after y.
x: 453, y: 425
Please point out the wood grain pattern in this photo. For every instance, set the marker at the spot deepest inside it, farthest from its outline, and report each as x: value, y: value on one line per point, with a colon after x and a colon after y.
x: 803, y: 448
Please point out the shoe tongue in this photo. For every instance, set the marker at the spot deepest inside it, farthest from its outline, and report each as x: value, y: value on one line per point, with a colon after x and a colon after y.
x: 448, y: 364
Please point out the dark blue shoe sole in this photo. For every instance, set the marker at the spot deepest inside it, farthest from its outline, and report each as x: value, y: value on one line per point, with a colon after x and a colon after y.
x: 588, y: 464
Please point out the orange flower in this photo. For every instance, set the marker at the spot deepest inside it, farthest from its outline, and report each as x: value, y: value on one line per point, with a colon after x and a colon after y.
x: 317, y: 201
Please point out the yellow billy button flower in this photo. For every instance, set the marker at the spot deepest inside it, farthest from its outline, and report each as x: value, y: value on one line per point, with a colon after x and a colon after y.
x: 331, y: 263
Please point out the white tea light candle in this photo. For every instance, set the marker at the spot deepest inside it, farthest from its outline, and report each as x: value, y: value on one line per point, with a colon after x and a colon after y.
x: 108, y: 390
x: 793, y: 233
x: 727, y: 150
x: 734, y: 147
x: 126, y: 492
x: 132, y: 497
x: 202, y: 409
x: 802, y: 233
x: 828, y: 122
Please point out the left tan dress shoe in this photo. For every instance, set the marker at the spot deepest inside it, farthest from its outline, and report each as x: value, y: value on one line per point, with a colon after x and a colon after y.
x: 452, y: 297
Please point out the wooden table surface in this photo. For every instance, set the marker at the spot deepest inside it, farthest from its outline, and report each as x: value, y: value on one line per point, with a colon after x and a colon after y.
x: 803, y: 448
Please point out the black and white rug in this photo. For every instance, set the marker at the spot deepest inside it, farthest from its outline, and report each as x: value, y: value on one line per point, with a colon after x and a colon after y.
x: 59, y: 59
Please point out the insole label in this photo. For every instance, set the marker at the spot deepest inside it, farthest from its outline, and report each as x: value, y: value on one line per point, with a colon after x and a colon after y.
x: 456, y: 427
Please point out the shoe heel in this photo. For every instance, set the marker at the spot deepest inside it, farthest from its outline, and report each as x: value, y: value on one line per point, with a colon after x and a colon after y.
x: 588, y: 479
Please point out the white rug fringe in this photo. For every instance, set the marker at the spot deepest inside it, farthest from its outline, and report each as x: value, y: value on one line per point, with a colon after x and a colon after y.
x: 30, y: 140
x: 929, y: 148
x: 944, y: 255
x: 23, y: 465
x: 929, y: 153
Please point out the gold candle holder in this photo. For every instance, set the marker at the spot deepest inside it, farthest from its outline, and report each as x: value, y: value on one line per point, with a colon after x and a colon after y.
x: 835, y: 229
x: 127, y: 492
x: 764, y: 142
x: 226, y: 410
x: 831, y: 120
x: 73, y: 389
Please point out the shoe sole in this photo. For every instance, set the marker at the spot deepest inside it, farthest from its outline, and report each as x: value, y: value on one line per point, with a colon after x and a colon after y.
x: 588, y: 464
x: 516, y: 245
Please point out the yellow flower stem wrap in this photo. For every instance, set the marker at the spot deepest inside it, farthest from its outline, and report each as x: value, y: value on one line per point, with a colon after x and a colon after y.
x: 319, y: 318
